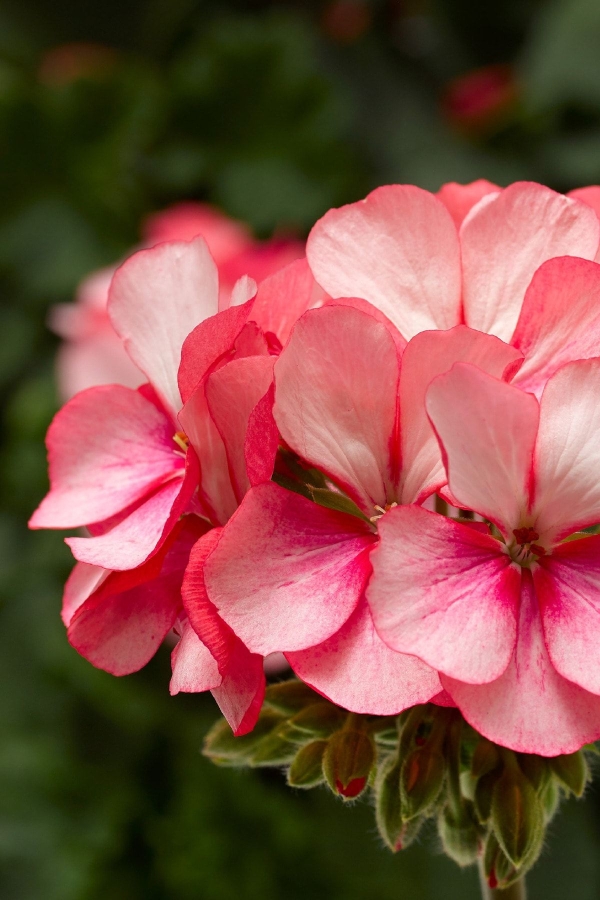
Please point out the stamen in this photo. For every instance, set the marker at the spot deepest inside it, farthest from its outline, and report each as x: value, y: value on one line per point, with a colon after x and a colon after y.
x: 182, y: 440
x: 381, y: 511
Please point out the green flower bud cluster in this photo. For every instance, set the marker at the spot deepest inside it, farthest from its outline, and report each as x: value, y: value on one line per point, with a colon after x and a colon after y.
x: 489, y: 803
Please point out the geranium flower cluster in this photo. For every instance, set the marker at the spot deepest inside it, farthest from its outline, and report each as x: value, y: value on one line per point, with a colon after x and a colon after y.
x: 383, y: 461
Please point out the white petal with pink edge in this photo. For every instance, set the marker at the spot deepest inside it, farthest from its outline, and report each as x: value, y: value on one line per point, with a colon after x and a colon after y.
x: 504, y: 239
x: 286, y: 573
x: 530, y: 708
x: 357, y: 671
x: 398, y: 249
x: 156, y: 299
x: 444, y: 592
x: 487, y: 430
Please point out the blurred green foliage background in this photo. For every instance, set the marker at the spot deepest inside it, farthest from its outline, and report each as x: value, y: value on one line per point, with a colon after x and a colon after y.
x: 275, y: 112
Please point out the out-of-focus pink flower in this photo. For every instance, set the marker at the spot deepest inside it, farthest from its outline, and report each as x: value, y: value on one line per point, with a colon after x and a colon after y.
x: 92, y: 353
x: 508, y: 270
x: 289, y: 574
x: 510, y: 619
x: 481, y: 99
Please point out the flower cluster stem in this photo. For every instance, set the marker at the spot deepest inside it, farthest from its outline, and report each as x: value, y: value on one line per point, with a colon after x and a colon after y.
x: 516, y: 891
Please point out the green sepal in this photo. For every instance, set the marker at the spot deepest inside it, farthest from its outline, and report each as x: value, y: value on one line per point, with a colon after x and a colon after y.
x: 289, y: 697
x: 482, y: 798
x: 306, y: 770
x: 272, y: 750
x: 536, y: 769
x: 336, y: 501
x: 486, y: 758
x: 500, y: 872
x: 388, y: 813
x: 517, y: 816
x: 223, y: 748
x: 318, y: 720
x: 421, y: 780
x: 460, y: 834
x: 572, y: 771
x: 550, y: 797
x: 347, y: 762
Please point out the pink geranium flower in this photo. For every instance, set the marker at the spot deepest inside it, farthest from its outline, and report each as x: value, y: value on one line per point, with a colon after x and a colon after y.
x: 92, y: 352
x: 517, y: 266
x: 288, y: 574
x: 511, y: 619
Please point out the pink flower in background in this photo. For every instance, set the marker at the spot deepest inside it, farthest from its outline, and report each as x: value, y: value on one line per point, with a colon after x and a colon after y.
x: 510, y: 618
x: 508, y: 270
x: 93, y: 354
x: 289, y: 574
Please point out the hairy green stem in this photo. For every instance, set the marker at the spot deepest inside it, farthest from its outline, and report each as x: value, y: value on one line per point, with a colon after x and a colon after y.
x: 516, y: 891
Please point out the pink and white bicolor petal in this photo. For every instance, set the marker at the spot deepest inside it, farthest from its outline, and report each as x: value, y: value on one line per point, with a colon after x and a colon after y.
x: 356, y: 670
x: 568, y: 587
x: 559, y: 321
x: 444, y: 592
x: 427, y: 355
x: 123, y: 622
x: 459, y: 199
x: 240, y: 690
x: 487, y: 430
x: 135, y: 538
x: 399, y: 250
x: 531, y: 708
x: 286, y: 573
x: 505, y: 238
x: 194, y: 668
x: 336, y: 388
x: 284, y: 296
x: 567, y: 453
x: 232, y: 393
x: 107, y: 448
x: 156, y: 299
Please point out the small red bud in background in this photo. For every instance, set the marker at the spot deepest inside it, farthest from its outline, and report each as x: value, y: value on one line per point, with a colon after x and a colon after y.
x: 481, y: 100
x: 345, y: 21
x: 66, y: 63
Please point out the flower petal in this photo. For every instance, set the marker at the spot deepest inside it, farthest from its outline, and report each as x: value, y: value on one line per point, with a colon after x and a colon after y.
x: 107, y: 448
x: 284, y: 296
x: 356, y: 670
x: 459, y: 199
x: 567, y: 453
x: 427, y: 355
x: 399, y: 250
x: 312, y: 570
x: 194, y: 667
x: 530, y: 708
x: 156, y: 299
x: 568, y: 587
x: 487, y: 429
x: 444, y: 592
x: 506, y: 239
x: 81, y: 583
x: 241, y: 693
x: 207, y: 343
x: 559, y: 321
x: 262, y: 440
x: 336, y: 388
x: 232, y: 392
x: 143, y: 531
x: 120, y: 627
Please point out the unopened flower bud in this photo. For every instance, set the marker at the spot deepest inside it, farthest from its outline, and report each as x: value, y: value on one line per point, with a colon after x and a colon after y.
x: 347, y: 762
x: 460, y: 834
x: 535, y: 769
x: 486, y: 758
x: 517, y: 815
x: 306, y: 770
x: 421, y: 780
x: 387, y: 803
x: 499, y: 870
x: 572, y: 771
x: 482, y: 798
